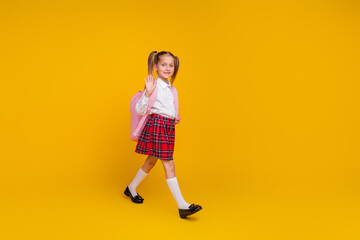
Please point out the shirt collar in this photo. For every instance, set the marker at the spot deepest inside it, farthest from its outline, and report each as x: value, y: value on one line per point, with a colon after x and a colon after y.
x: 162, y: 83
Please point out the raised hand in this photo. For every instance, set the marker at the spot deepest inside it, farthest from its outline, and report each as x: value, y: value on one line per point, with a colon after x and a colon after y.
x: 150, y: 85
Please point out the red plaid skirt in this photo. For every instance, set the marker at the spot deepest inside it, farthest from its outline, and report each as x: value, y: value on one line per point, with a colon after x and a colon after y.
x: 157, y: 138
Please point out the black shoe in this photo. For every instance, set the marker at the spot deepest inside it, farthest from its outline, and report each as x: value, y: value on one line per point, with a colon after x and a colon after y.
x: 136, y: 199
x: 192, y: 209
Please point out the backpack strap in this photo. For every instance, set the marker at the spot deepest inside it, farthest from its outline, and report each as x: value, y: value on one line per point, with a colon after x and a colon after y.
x: 151, y: 103
x: 152, y: 100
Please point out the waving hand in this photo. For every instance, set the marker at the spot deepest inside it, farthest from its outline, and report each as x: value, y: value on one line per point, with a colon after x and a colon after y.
x: 150, y: 85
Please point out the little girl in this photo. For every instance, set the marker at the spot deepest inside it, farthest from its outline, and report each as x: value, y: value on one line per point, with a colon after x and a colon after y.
x: 158, y: 136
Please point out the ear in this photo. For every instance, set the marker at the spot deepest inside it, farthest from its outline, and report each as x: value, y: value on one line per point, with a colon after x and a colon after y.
x: 155, y: 67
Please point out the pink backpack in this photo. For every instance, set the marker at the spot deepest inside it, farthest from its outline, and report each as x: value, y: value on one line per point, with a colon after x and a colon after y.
x: 138, y: 121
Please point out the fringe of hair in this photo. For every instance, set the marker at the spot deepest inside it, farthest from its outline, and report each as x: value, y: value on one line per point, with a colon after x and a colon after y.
x: 154, y: 58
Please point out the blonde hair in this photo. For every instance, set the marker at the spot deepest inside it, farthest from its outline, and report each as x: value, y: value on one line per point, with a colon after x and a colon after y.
x: 154, y: 58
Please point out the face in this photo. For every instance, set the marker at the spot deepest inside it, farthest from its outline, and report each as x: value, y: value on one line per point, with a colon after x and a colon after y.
x: 165, y: 67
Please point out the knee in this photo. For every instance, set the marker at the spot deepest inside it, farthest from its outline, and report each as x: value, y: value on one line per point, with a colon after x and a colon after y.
x: 150, y: 162
x: 170, y: 165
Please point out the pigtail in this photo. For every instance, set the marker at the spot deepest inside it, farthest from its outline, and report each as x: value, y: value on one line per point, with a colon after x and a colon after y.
x: 151, y: 61
x: 177, y: 63
x: 154, y: 58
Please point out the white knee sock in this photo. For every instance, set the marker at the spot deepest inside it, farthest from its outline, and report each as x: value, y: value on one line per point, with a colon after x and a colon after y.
x: 137, y: 180
x: 175, y: 190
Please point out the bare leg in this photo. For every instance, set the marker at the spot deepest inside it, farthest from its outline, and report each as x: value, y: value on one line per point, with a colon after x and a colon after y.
x: 169, y: 168
x: 172, y: 182
x: 141, y: 174
x: 149, y: 164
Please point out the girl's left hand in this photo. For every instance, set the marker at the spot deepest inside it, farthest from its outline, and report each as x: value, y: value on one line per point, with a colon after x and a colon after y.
x: 177, y: 120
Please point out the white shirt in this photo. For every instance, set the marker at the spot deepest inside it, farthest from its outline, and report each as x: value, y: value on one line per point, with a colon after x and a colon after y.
x: 164, y: 102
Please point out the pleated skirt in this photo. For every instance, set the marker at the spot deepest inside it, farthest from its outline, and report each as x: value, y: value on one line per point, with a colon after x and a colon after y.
x: 157, y: 138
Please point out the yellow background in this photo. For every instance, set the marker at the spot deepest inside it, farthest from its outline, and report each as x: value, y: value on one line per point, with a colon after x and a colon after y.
x: 268, y: 142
